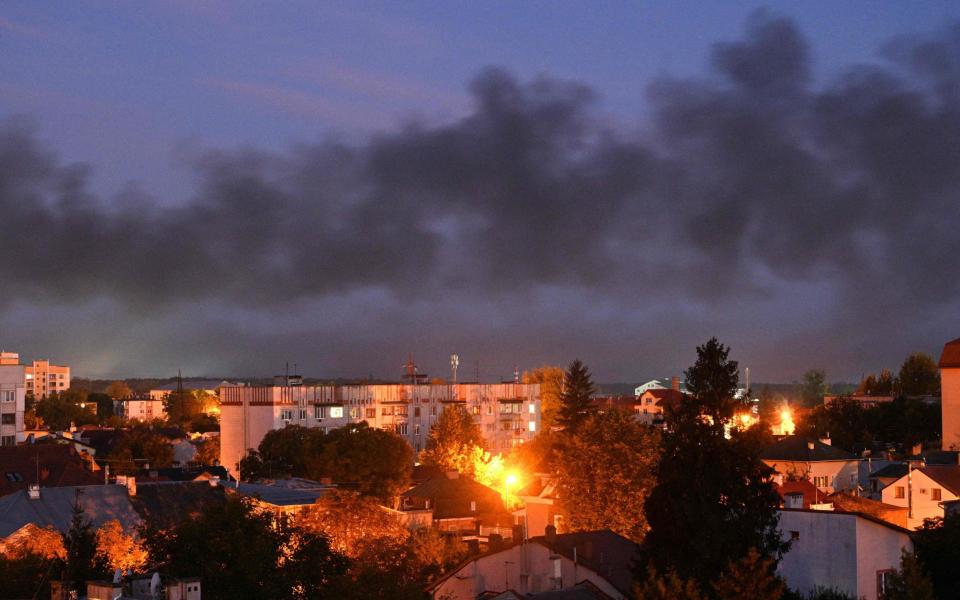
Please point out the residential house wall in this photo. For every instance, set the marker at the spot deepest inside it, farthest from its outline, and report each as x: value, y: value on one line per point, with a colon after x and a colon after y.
x: 508, y: 414
x: 922, y: 493
x: 142, y: 409
x: 846, y: 551
x: 828, y: 476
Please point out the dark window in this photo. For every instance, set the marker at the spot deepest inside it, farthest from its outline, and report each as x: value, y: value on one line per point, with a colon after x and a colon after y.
x: 794, y: 535
x: 8, y: 419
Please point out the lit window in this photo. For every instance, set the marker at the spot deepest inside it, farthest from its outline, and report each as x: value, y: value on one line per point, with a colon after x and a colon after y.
x: 532, y: 425
x: 336, y: 412
x: 533, y: 409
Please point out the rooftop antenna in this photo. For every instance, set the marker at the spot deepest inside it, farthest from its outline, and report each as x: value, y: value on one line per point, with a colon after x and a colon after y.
x: 454, y: 363
x: 516, y: 374
x: 179, y: 383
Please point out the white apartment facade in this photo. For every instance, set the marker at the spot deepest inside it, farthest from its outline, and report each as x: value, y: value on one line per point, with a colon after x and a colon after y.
x: 507, y: 414
x: 12, y: 399
x: 142, y: 409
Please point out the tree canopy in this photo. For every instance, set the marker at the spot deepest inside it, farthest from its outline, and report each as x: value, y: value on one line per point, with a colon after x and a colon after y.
x: 550, y: 379
x: 452, y: 440
x: 605, y: 472
x: 919, y: 375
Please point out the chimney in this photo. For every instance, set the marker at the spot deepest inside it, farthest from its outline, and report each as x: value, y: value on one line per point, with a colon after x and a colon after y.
x: 33, y: 491
x: 550, y: 533
x: 675, y: 383
x: 825, y: 440
x: 810, y: 445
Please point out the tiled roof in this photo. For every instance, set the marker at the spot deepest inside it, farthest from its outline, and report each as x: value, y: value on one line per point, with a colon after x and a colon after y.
x: 605, y: 552
x: 50, y: 465
x: 283, y: 496
x: 810, y: 493
x: 893, y: 470
x: 951, y: 355
x: 947, y: 476
x: 450, y: 498
x: 54, y: 508
x: 798, y: 449
x: 166, y: 503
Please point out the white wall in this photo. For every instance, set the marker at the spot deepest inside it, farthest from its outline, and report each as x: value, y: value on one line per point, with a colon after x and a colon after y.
x: 839, y: 550
x: 12, y: 379
x: 950, y: 407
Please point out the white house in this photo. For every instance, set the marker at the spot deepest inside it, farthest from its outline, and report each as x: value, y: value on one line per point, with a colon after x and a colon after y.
x: 830, y: 469
x: 653, y: 384
x: 924, y: 491
x: 542, y: 564
x: 851, y: 552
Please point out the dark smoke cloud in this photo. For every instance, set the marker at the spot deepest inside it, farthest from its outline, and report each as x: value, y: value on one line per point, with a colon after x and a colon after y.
x: 747, y: 182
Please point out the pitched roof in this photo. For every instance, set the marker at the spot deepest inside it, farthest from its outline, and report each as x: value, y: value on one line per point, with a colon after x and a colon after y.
x: 608, y: 554
x: 166, y: 503
x: 279, y: 495
x: 798, y: 449
x: 811, y: 494
x: 50, y: 465
x: 181, y: 473
x: 54, y: 508
x: 950, y: 358
x: 846, y: 502
x: 947, y: 476
x: 450, y: 498
x: 893, y: 470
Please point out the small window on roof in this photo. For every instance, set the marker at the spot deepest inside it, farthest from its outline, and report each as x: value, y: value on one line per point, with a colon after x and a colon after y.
x: 14, y: 477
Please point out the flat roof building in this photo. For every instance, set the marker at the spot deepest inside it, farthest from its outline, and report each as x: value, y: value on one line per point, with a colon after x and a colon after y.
x: 507, y: 414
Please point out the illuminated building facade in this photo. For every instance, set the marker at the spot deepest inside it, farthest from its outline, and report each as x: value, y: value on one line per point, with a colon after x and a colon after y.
x: 42, y: 378
x: 507, y: 414
x: 12, y: 399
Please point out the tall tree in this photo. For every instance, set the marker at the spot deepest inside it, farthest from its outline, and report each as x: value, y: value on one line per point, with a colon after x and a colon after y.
x: 576, y: 401
x: 120, y: 550
x: 452, y: 440
x: 919, y: 375
x: 714, y: 499
x: 937, y: 546
x: 814, y: 387
x: 605, y: 472
x: 713, y: 381
x: 138, y: 447
x: 82, y: 562
x: 550, y: 379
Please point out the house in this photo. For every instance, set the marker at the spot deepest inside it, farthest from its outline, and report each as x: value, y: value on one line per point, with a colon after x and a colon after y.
x: 46, y: 465
x: 830, y: 469
x: 950, y: 394
x: 884, y: 476
x: 846, y: 502
x: 53, y: 507
x: 550, y: 563
x: 924, y: 491
x: 799, y: 494
x: 460, y: 505
x: 863, y: 400
x: 652, y: 404
x: 851, y: 552
x: 540, y: 508
x: 653, y: 384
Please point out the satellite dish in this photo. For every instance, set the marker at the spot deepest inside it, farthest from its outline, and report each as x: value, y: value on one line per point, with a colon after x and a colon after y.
x: 155, y: 584
x: 116, y: 575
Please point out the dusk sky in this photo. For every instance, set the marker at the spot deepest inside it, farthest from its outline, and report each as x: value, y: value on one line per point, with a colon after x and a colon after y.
x: 224, y: 187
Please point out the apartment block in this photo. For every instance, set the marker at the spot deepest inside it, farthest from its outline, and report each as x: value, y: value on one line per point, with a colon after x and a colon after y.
x: 508, y: 414
x: 42, y: 378
x: 12, y: 399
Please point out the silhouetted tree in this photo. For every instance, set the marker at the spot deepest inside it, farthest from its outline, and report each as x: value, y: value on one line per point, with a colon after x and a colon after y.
x: 753, y: 577
x: 83, y: 562
x: 909, y: 582
x: 814, y: 387
x: 714, y: 499
x: 576, y: 402
x: 937, y: 547
x: 919, y: 375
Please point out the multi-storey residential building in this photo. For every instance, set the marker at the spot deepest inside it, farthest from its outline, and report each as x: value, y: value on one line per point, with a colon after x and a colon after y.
x: 42, y: 378
x: 950, y: 392
x: 508, y: 414
x: 12, y: 399
x: 142, y: 408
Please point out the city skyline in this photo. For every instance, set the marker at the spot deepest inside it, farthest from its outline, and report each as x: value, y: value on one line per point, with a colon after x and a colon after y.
x: 618, y: 198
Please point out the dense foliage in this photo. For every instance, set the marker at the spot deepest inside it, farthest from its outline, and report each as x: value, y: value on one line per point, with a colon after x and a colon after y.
x: 371, y: 461
x: 451, y: 441
x: 937, y: 547
x: 605, y: 472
